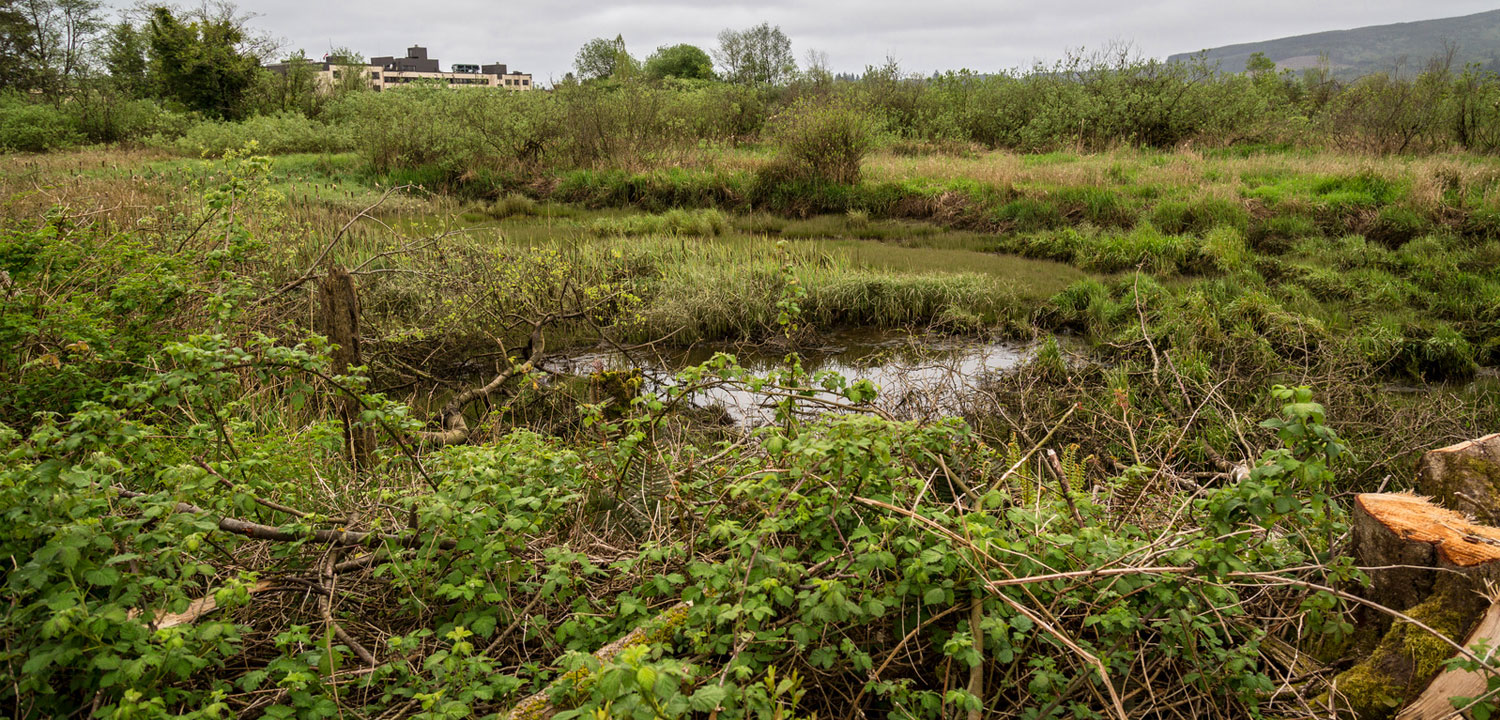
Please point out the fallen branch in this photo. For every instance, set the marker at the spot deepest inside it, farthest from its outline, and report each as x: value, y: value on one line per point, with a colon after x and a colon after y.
x: 329, y: 583
x: 331, y: 537
x: 455, y: 428
x: 195, y: 609
x: 976, y: 671
x: 539, y: 705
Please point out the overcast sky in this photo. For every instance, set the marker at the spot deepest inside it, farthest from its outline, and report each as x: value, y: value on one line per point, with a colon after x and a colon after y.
x: 542, y: 36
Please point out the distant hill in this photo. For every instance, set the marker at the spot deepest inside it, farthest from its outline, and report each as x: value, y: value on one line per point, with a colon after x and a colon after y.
x: 1376, y: 47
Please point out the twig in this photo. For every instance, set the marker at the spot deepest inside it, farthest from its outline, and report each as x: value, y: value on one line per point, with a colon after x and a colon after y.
x: 329, y: 581
x: 976, y: 671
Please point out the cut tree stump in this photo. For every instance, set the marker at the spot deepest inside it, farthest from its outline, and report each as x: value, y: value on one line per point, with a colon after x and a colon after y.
x: 1447, y: 560
x: 338, y: 301
x: 1464, y: 476
x: 1406, y: 519
x: 1417, y: 536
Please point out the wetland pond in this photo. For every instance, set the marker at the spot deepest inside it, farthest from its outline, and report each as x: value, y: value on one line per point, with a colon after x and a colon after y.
x: 918, y: 377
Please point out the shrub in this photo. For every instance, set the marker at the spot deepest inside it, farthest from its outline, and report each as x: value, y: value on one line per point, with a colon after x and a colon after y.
x: 656, y: 190
x: 105, y: 117
x: 278, y: 134
x: 31, y: 127
x: 820, y: 141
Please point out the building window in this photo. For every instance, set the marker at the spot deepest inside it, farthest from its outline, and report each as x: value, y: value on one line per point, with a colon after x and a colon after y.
x: 526, y: 82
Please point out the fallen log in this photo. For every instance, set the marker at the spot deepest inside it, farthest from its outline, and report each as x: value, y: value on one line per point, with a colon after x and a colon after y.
x: 162, y: 619
x: 455, y: 428
x: 1436, y: 702
x: 539, y: 705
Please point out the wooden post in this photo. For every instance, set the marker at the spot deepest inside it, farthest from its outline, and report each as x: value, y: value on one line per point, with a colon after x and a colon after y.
x: 338, y: 302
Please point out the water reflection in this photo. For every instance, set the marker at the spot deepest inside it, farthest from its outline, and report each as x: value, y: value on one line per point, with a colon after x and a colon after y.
x: 918, y: 377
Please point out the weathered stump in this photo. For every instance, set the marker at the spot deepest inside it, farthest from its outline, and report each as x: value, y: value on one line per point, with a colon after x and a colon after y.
x: 1464, y: 477
x: 338, y: 318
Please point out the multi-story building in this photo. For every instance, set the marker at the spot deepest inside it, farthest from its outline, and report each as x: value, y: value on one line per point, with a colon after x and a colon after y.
x: 384, y: 72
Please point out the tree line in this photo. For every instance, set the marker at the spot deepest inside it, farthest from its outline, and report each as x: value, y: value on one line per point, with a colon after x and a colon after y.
x: 758, y: 55
x: 160, y: 74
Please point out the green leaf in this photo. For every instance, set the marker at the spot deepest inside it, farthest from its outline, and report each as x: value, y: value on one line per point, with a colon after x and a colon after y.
x: 707, y: 698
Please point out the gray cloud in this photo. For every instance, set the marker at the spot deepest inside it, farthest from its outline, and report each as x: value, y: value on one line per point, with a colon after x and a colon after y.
x: 541, y: 38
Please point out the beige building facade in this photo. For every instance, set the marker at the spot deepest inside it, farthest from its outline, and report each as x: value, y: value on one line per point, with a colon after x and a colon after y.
x: 381, y: 73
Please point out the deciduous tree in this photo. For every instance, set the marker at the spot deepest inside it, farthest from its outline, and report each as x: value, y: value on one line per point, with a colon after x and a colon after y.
x: 680, y: 61
x: 17, y: 46
x: 600, y: 58
x: 61, y: 32
x: 199, y: 62
x: 760, y: 55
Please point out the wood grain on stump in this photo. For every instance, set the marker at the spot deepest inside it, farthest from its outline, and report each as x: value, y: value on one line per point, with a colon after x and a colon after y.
x: 1414, y: 519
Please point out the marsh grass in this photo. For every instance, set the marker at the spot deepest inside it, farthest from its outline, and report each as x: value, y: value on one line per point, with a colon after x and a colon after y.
x: 1317, y: 244
x: 695, y: 223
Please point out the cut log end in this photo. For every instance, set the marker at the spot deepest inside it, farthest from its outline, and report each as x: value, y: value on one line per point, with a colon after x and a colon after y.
x: 1458, y: 541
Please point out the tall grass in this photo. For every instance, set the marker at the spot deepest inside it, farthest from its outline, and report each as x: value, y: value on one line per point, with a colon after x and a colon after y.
x: 699, y: 223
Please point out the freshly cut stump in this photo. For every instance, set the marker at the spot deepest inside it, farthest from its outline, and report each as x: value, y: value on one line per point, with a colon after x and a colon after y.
x: 1447, y: 560
x: 1408, y: 518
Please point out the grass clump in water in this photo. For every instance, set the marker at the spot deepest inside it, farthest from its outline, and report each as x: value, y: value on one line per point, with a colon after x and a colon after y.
x: 689, y: 223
